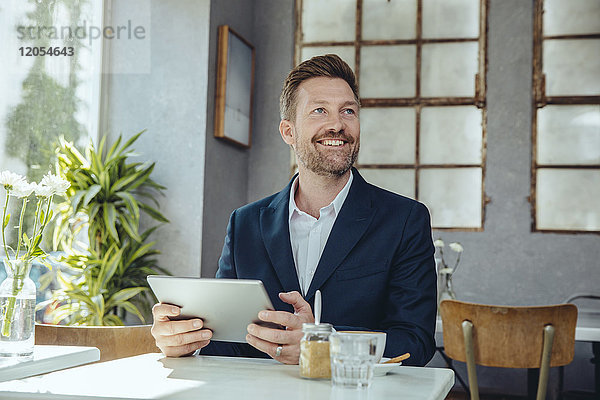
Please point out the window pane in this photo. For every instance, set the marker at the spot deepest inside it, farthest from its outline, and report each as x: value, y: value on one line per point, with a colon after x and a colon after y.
x: 346, y: 53
x: 389, y: 19
x: 450, y: 135
x: 387, y: 71
x: 571, y: 67
x: 400, y: 181
x: 568, y: 199
x: 568, y: 135
x: 571, y: 17
x: 450, y: 19
x: 448, y: 69
x: 453, y: 196
x: 387, y: 136
x: 46, y: 97
x: 328, y: 21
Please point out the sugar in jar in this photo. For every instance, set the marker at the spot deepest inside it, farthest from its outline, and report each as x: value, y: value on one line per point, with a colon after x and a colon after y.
x: 314, y: 351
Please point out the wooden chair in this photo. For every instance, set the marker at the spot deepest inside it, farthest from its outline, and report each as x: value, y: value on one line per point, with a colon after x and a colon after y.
x: 509, y: 337
x: 113, y: 341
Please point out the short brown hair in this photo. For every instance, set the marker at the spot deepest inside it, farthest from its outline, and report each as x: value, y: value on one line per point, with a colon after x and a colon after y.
x: 328, y: 65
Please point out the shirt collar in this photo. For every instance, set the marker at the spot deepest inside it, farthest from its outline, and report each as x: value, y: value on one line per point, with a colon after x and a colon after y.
x: 337, y: 203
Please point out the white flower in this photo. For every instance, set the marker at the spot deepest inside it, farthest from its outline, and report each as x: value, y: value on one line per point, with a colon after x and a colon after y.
x: 43, y: 190
x: 446, y: 270
x: 56, y: 184
x: 23, y: 189
x: 456, y: 247
x: 438, y: 243
x: 10, y: 179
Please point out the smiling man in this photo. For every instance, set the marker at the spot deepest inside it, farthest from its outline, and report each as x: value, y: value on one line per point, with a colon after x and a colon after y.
x: 368, y: 251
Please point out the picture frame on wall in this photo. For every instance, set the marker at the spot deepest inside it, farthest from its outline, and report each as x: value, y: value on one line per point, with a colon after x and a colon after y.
x: 235, y: 87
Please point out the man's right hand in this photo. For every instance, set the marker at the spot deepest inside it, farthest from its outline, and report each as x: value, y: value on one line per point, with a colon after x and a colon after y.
x: 177, y: 338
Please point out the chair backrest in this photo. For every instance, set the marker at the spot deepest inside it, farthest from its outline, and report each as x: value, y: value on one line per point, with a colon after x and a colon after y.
x: 112, y: 341
x: 508, y: 336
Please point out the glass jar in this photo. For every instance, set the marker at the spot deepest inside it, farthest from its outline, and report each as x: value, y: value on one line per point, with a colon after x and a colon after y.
x: 17, y: 310
x: 314, y: 351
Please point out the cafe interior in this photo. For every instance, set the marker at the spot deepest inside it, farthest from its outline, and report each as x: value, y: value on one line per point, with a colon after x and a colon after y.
x: 486, y: 111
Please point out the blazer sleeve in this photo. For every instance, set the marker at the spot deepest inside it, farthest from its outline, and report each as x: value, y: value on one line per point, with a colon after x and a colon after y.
x: 411, y: 303
x: 227, y: 270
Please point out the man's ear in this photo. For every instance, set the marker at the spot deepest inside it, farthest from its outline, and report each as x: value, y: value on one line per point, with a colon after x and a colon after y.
x: 286, y: 129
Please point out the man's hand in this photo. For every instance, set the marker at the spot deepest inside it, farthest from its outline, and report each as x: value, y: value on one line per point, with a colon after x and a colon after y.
x: 177, y: 338
x: 267, y: 339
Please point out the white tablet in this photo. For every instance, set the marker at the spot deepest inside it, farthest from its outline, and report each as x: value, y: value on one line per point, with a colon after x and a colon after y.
x: 226, y: 306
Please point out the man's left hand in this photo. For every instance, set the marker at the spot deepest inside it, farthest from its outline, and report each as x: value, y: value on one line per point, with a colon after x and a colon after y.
x: 268, y: 340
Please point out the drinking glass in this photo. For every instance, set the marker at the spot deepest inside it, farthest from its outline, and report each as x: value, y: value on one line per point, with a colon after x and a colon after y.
x: 353, y: 356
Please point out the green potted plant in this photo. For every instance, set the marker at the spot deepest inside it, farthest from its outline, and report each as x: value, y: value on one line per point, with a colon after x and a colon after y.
x: 107, y: 275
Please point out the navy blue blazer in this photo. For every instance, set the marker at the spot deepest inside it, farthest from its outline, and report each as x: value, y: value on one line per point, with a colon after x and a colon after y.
x: 377, y: 270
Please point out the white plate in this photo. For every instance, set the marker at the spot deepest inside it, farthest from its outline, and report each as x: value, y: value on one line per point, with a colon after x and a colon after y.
x: 382, y: 369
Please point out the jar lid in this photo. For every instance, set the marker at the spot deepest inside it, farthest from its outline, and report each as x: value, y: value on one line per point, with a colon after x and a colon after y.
x: 322, y: 327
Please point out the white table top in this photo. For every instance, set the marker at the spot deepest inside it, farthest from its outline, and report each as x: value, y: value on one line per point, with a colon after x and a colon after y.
x: 153, y: 376
x: 587, y: 329
x: 46, y: 359
x: 588, y: 325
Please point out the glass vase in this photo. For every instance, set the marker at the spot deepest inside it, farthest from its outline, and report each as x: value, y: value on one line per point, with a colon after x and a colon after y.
x: 446, y: 292
x: 17, y: 310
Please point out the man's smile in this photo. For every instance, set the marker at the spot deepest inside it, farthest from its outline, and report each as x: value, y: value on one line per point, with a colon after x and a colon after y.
x: 332, y: 142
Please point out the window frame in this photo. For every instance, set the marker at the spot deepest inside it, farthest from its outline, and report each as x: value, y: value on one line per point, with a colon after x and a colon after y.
x: 417, y: 102
x: 540, y: 100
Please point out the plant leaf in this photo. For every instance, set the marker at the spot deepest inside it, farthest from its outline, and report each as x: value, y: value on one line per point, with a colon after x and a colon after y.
x: 148, y: 232
x: 112, y: 149
x: 131, y: 204
x: 110, y: 217
x: 37, y: 240
x: 76, y: 198
x: 130, y: 228
x: 140, y: 252
x: 132, y: 140
x: 26, y: 240
x: 153, y: 212
x: 123, y: 295
x: 90, y: 193
x: 143, y: 177
x: 107, y: 270
x: 131, y: 308
x: 111, y: 320
x: 98, y: 302
x: 81, y: 297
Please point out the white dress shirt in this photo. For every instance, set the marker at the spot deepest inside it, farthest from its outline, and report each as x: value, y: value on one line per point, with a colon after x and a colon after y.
x: 309, y: 235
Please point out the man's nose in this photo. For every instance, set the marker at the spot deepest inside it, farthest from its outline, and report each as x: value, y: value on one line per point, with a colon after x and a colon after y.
x: 335, y: 123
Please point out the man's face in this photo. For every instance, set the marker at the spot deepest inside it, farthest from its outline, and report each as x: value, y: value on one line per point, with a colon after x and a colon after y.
x: 326, y: 133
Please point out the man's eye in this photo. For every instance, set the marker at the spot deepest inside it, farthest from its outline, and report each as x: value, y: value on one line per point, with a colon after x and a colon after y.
x: 349, y: 111
x: 319, y: 110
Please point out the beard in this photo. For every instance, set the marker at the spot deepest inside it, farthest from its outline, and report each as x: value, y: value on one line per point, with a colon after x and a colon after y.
x: 327, y: 163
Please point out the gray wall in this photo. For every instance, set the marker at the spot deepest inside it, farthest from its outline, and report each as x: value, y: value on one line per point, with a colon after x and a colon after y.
x: 206, y: 178
x: 269, y: 164
x: 170, y: 101
x: 236, y: 176
x: 507, y: 263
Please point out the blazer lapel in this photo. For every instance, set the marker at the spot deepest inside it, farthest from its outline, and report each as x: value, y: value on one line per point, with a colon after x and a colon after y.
x: 274, y: 227
x: 350, y: 225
